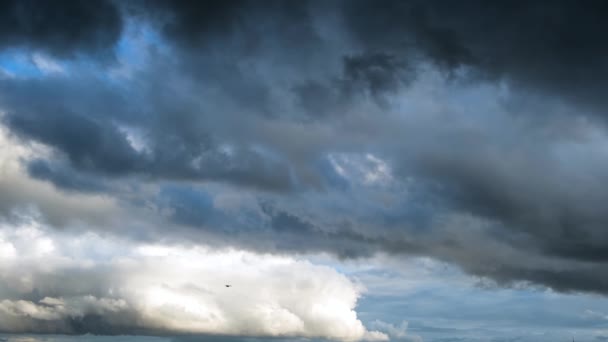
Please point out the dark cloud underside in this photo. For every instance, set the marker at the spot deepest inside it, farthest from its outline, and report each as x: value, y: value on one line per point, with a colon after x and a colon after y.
x: 63, y: 28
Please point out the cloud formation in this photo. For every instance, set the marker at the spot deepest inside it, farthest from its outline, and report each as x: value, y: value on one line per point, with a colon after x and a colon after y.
x: 472, y: 133
x: 89, y: 284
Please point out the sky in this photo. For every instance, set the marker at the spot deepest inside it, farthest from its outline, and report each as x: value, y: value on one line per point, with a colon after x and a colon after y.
x: 355, y: 170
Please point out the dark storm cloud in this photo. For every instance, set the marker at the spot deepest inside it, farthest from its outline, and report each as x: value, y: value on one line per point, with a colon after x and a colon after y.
x: 232, y: 103
x: 528, y: 202
x: 567, y: 280
x: 517, y: 189
x: 378, y: 72
x: 89, y: 134
x: 552, y: 45
x: 195, y: 23
x: 90, y: 144
x: 62, y: 28
x: 63, y: 176
x: 363, y: 75
x: 557, y: 47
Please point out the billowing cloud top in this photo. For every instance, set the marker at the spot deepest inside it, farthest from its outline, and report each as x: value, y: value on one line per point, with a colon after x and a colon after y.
x: 470, y: 132
x: 162, y: 289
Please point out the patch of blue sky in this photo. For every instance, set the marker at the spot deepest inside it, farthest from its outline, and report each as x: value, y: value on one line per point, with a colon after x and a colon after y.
x: 134, y: 49
x: 131, y: 53
x: 27, y: 63
x: 19, y: 63
x: 438, y: 308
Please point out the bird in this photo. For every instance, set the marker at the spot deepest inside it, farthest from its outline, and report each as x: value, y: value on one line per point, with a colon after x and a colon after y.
x: 228, y: 285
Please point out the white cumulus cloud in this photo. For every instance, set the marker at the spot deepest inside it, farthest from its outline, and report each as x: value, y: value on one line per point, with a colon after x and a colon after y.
x: 66, y: 283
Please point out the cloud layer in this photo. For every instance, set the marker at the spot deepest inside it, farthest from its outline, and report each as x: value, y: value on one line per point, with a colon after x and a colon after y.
x: 471, y: 133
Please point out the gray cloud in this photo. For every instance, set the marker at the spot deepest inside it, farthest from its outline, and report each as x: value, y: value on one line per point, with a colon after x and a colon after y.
x: 63, y: 177
x: 176, y: 146
x: 378, y: 72
x: 63, y: 29
x: 551, y: 46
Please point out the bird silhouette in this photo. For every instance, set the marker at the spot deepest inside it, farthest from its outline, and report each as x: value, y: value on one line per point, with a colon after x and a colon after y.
x: 228, y: 285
